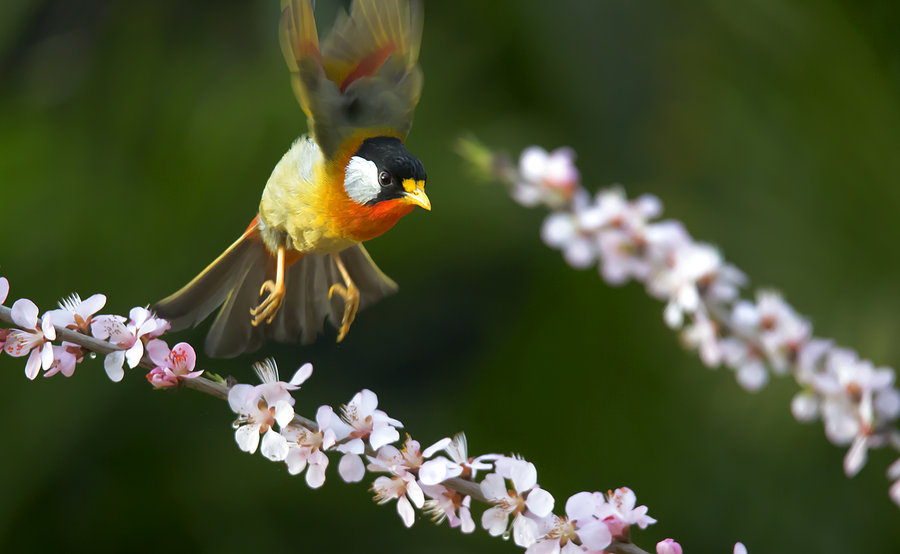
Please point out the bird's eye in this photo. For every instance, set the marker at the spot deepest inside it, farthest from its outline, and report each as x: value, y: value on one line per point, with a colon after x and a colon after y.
x: 385, y: 178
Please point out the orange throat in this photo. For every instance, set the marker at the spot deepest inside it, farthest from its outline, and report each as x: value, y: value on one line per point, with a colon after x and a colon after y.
x: 362, y: 223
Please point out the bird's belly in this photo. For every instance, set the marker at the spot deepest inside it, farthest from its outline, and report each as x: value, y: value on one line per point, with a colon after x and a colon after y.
x: 318, y: 237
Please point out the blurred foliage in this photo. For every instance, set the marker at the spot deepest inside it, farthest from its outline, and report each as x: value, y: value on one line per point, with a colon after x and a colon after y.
x: 136, y: 137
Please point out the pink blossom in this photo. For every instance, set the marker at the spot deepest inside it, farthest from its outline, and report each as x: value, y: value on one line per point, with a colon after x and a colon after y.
x: 76, y: 314
x: 623, y: 501
x: 130, y: 337
x: 33, y: 339
x: 363, y: 422
x: 583, y: 523
x: 260, y: 407
x: 460, y: 464
x: 389, y: 459
x: 172, y: 366
x: 526, y: 501
x: 65, y: 358
x: 405, y: 489
x: 668, y: 546
x: 549, y: 178
x: 447, y: 504
x: 782, y: 333
x: 739, y: 548
x: 306, y: 448
x: 560, y: 230
x: 4, y: 289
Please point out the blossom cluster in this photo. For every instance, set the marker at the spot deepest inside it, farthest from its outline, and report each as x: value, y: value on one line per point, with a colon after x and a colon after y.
x: 367, y: 438
x: 857, y: 402
x: 440, y: 481
x: 127, y: 340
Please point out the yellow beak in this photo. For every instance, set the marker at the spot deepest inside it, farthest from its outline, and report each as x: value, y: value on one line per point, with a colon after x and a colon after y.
x: 415, y: 193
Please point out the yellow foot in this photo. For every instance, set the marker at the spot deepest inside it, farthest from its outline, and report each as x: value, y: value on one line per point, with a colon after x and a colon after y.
x: 267, y: 309
x: 350, y: 294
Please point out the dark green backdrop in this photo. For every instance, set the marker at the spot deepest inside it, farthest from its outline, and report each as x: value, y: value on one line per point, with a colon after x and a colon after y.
x: 136, y: 137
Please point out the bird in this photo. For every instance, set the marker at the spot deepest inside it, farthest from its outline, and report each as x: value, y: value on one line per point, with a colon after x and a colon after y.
x: 301, y: 261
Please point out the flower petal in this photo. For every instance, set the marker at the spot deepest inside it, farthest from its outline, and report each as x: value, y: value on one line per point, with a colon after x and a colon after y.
x: 494, y: 520
x: 351, y: 468
x: 284, y: 413
x: 668, y: 546
x: 33, y: 365
x: 383, y: 435
x: 365, y: 401
x: 856, y: 456
x: 581, y: 506
x: 158, y: 351
x: 405, y: 509
x: 302, y: 374
x: 540, y: 502
x: 434, y: 471
x: 439, y: 445
x: 4, y: 289
x: 25, y: 314
x: 525, y: 531
x: 113, y: 365
x: 134, y: 354
x: 92, y: 305
x: 247, y: 437
x: 274, y: 446
x: 595, y: 535
x: 315, y: 476
x: 239, y: 398
x: 46, y: 356
x: 47, y: 327
x: 416, y: 496
x: 524, y: 476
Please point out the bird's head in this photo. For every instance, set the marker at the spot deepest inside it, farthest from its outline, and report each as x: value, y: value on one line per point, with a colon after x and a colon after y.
x: 382, y: 169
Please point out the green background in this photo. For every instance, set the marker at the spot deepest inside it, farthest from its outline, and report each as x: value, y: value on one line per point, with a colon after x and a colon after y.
x: 136, y: 137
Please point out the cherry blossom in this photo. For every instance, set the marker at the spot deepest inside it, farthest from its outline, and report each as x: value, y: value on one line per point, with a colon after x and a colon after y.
x: 444, y: 503
x: 129, y: 335
x: 546, y: 177
x: 858, y: 403
x: 739, y: 548
x: 583, y: 525
x: 623, y: 501
x: 668, y: 546
x: 389, y: 459
x: 172, y: 366
x: 440, y: 468
x: 366, y: 423
x: 306, y: 448
x: 65, y: 358
x: 403, y: 488
x: 260, y: 407
x: 526, y: 501
x: 76, y: 314
x: 33, y: 339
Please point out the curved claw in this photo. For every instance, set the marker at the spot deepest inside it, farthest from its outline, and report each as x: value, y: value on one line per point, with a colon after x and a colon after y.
x: 269, y: 306
x: 351, y: 305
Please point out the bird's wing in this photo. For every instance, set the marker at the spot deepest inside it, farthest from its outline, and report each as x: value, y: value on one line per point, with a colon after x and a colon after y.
x: 364, y: 79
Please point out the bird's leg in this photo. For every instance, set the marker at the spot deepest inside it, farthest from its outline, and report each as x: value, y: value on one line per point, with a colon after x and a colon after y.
x: 349, y: 293
x: 267, y: 309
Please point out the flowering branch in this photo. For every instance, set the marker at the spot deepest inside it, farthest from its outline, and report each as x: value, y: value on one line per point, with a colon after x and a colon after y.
x: 857, y: 402
x: 363, y: 435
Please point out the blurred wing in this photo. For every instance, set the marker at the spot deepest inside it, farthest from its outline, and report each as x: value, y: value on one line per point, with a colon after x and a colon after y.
x: 364, y: 80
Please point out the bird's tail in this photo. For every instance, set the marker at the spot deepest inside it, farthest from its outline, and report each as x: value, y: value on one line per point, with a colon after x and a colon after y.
x: 234, y: 279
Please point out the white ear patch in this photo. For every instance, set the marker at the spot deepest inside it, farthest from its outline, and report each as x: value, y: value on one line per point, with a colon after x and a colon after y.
x: 361, y: 180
